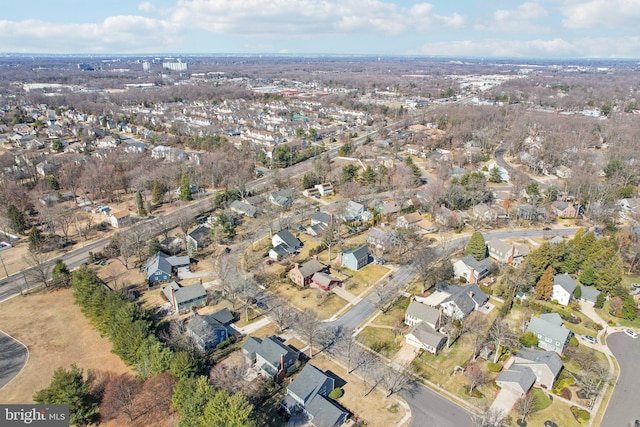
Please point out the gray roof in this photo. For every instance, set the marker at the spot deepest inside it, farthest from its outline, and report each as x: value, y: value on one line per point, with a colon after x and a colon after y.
x: 320, y: 218
x: 465, y: 297
x: 588, y: 293
x: 427, y: 335
x: 359, y: 252
x: 549, y: 358
x: 289, y: 239
x: 324, y: 279
x: 324, y: 412
x: 423, y: 312
x: 499, y: 245
x: 184, y: 293
x: 556, y: 240
x: 552, y: 318
x: 310, y: 267
x: 308, y: 383
x: 566, y: 282
x: 163, y: 262
x: 201, y: 234
x: 244, y: 208
x: 548, y: 329
x: 270, y: 349
x: 522, y: 375
x: 479, y: 266
x: 223, y: 316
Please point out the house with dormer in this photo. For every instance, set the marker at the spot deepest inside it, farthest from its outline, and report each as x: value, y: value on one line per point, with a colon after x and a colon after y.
x: 507, y: 253
x: 471, y: 269
x: 284, y: 244
x: 551, y: 333
x: 563, y: 288
x: 270, y: 356
x: 354, y: 258
x: 425, y: 323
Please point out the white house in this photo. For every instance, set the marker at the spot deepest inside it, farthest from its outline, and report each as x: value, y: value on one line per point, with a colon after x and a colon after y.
x: 563, y: 288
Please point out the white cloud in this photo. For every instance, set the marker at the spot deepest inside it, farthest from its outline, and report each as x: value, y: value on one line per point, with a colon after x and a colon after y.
x: 275, y: 18
x: 119, y: 34
x: 524, y: 18
x: 615, y: 14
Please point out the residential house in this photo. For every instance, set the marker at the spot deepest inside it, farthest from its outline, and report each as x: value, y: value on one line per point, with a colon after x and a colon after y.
x: 301, y: 274
x: 244, y: 208
x: 320, y: 221
x: 325, y: 281
x: 471, y: 269
x: 325, y: 189
x: 425, y: 322
x: 284, y: 244
x: 210, y: 330
x: 416, y: 221
x: 629, y: 208
x: 588, y: 294
x: 507, y: 253
x: 135, y: 147
x: 199, y: 238
x: 516, y: 380
x: 529, y: 212
x: 270, y: 356
x: 161, y: 267
x: 563, y: 288
x: 183, y: 298
x: 354, y: 258
x: 389, y: 208
x: 311, y: 192
x: 282, y: 198
x: 484, y: 213
x: 355, y: 212
x: 504, y: 174
x: 563, y: 172
x: 545, y: 365
x: 119, y: 219
x: 446, y: 217
x: 551, y: 334
x: 381, y: 239
x: 461, y: 300
x: 309, y: 394
x: 563, y: 209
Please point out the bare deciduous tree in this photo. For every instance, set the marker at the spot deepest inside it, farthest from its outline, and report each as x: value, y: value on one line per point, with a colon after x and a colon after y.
x: 500, y: 334
x: 310, y: 327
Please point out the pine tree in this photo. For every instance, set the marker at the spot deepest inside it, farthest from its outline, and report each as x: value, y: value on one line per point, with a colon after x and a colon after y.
x: 140, y: 204
x: 185, y: 188
x: 35, y: 239
x: 157, y: 193
x: 16, y: 219
x: 577, y: 294
x: 544, y: 288
x: 476, y: 247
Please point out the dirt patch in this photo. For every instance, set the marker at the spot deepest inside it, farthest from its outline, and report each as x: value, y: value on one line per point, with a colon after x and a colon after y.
x: 56, y: 334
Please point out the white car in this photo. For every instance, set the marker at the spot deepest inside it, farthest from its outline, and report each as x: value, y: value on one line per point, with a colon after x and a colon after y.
x: 631, y: 333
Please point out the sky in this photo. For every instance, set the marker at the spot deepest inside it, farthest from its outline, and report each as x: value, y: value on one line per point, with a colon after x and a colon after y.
x: 460, y: 28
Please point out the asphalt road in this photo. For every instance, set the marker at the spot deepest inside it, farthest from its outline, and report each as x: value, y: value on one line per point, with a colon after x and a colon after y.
x: 623, y: 407
x: 13, y: 356
x: 429, y: 409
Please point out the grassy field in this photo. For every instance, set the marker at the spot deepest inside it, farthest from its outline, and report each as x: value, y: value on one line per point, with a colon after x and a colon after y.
x: 325, y: 304
x: 57, y: 334
x: 381, y: 340
x: 558, y: 412
x: 374, y: 409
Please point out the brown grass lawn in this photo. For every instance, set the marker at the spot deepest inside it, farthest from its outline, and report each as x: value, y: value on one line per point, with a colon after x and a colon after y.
x: 395, y: 316
x: 363, y: 278
x: 558, y: 412
x: 375, y: 409
x: 382, y: 340
x: 56, y: 334
x: 325, y: 304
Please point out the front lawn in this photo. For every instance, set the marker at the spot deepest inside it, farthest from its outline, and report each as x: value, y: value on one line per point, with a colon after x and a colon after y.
x: 395, y: 316
x: 325, y: 304
x: 381, y: 340
x: 558, y: 412
x: 360, y: 280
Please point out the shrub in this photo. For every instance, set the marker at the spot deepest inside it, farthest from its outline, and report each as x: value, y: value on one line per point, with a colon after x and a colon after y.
x: 529, y: 339
x: 223, y: 344
x: 573, y: 342
x: 581, y: 415
x: 562, y: 383
x: 494, y: 367
x: 336, y: 393
x: 566, y: 393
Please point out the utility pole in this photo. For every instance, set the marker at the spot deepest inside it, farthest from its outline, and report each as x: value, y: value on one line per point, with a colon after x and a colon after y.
x: 4, y: 266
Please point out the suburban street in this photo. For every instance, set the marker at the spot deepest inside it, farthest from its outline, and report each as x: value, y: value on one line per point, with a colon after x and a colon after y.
x: 429, y: 409
x: 13, y: 356
x: 623, y: 408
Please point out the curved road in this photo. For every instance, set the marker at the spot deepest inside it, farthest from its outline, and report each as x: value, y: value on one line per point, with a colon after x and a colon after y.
x: 13, y: 357
x: 623, y: 407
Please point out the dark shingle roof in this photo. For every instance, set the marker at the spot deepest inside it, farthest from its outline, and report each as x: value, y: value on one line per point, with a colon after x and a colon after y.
x: 518, y: 374
x: 423, y: 312
x: 310, y: 267
x: 359, y: 252
x: 547, y: 329
x: 465, y: 297
x: 223, y: 316
x: 205, y: 327
x: 308, y: 383
x: 269, y: 348
x: 427, y: 335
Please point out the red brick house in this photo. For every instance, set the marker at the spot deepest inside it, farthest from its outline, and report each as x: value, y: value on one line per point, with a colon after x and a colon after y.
x: 301, y: 274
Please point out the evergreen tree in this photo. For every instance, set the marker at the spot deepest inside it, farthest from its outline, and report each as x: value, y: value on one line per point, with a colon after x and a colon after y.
x: 228, y: 410
x: 157, y: 192
x: 60, y: 273
x: 35, y: 239
x: 602, y: 297
x: 185, y: 188
x: 544, y: 288
x: 577, y: 294
x: 349, y: 173
x: 16, y: 219
x: 476, y: 247
x: 368, y: 176
x: 588, y: 276
x: 154, y: 247
x: 495, y: 175
x: 140, y: 204
x: 69, y: 387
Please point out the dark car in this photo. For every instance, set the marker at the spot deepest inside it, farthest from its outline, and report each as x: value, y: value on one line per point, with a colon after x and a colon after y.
x: 546, y: 229
x: 262, y: 305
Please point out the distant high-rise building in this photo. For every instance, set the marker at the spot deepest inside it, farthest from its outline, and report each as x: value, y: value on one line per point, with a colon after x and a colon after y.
x: 146, y: 66
x: 175, y: 66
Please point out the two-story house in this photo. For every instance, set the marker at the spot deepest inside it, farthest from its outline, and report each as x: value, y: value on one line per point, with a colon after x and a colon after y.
x: 284, y: 244
x: 425, y: 322
x: 507, y: 253
x: 271, y: 356
x: 184, y: 298
x: 301, y: 275
x: 354, y: 258
x: 471, y: 269
x: 563, y: 288
x: 551, y: 334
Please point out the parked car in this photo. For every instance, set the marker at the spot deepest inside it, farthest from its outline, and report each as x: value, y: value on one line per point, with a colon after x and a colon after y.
x: 631, y: 333
x: 589, y: 339
x: 546, y: 229
x: 262, y: 305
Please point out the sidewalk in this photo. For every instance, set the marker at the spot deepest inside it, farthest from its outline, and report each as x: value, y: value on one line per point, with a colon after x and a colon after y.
x: 346, y: 295
x: 252, y: 327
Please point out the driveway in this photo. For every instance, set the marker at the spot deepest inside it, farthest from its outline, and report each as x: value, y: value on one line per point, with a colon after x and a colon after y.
x: 623, y: 407
x: 13, y: 357
x: 504, y: 402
